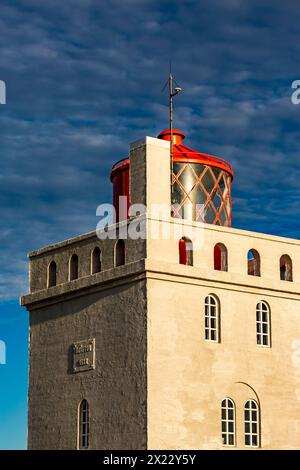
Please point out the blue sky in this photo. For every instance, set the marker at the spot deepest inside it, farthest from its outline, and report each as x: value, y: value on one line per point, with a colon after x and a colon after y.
x: 84, y: 78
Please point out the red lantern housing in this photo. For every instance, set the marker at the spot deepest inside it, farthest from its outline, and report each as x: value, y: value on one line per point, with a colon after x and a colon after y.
x: 201, y: 184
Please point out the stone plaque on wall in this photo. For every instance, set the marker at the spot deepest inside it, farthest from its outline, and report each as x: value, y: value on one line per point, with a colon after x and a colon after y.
x: 84, y: 355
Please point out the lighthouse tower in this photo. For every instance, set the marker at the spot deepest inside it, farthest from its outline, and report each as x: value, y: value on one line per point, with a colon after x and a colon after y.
x: 165, y: 342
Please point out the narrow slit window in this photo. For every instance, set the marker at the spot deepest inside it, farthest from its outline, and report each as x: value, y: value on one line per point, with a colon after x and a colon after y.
x: 220, y: 257
x: 52, y: 274
x: 212, y: 319
x: 119, y: 253
x: 96, y: 260
x: 84, y: 425
x: 73, y: 268
x: 263, y: 327
x: 185, y: 251
x: 286, y: 268
x: 253, y: 263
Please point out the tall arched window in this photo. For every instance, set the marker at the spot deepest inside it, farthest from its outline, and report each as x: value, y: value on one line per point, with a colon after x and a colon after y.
x: 96, y: 260
x: 220, y: 257
x: 286, y: 268
x: 119, y: 253
x: 253, y: 263
x: 228, y: 422
x: 73, y: 268
x: 251, y: 413
x: 263, y: 326
x: 52, y: 274
x: 185, y: 251
x: 212, y: 319
x: 84, y: 425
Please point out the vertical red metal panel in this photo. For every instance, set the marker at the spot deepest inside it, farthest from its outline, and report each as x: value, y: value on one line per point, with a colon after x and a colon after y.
x: 182, y: 252
x: 121, y: 187
x: 217, y: 258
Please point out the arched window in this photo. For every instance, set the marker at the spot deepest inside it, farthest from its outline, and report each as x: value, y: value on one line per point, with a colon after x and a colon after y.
x: 251, y: 414
x: 52, y: 274
x: 96, y: 260
x: 73, y: 268
x: 84, y: 425
x: 185, y: 251
x: 212, y: 319
x: 119, y: 253
x: 228, y: 422
x: 253, y: 263
x: 286, y: 268
x: 220, y: 257
x: 263, y: 328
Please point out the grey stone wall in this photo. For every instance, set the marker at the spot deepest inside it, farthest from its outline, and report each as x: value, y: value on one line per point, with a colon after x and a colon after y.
x: 116, y: 390
x: 82, y: 246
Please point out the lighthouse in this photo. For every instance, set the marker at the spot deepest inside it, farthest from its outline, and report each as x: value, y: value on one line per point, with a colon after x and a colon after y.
x: 166, y: 343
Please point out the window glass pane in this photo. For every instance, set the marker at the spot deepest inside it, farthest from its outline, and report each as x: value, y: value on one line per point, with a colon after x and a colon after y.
x: 264, y: 317
x: 258, y: 339
x: 247, y: 440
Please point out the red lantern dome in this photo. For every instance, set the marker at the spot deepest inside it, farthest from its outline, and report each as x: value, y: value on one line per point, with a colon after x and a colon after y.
x: 201, y: 184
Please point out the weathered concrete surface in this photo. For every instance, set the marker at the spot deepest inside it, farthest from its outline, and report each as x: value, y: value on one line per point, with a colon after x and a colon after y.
x: 116, y: 389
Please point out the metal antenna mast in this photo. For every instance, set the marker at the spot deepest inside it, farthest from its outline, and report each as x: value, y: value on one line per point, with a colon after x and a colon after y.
x: 172, y: 93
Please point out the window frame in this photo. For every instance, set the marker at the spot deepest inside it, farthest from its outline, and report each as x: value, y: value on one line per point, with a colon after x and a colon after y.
x: 226, y: 420
x: 83, y: 425
x: 250, y: 421
x: 259, y: 322
x: 208, y: 318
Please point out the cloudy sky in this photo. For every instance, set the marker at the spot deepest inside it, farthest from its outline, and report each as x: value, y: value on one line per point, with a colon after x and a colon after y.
x: 84, y: 79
